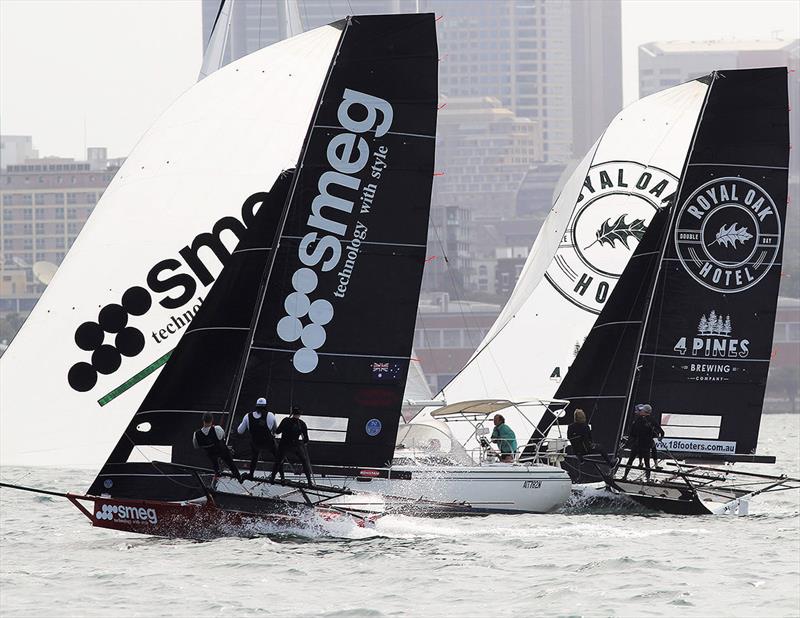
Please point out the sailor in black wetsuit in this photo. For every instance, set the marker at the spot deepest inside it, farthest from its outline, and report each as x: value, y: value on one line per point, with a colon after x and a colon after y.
x: 579, y: 435
x: 211, y: 438
x: 261, y: 425
x: 658, y: 432
x: 640, y: 441
x: 294, y: 437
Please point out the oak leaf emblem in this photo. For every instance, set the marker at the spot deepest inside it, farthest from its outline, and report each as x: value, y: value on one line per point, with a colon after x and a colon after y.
x: 731, y: 236
x: 610, y: 233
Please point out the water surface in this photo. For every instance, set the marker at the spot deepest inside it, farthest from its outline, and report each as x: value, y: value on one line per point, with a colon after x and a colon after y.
x: 580, y: 562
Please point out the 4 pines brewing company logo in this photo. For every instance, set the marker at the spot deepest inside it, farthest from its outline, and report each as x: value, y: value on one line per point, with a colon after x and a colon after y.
x: 711, y: 348
x: 728, y: 234
x: 616, y: 204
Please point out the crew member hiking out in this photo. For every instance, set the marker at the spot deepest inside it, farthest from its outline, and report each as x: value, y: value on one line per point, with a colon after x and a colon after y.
x: 505, y: 438
x: 640, y: 441
x: 579, y: 434
x: 260, y: 423
x: 294, y: 438
x: 211, y: 439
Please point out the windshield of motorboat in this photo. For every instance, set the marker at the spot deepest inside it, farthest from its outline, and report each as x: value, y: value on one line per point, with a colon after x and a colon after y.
x: 429, y: 442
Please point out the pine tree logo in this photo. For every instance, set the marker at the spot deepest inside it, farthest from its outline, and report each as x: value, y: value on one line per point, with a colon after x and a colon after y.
x: 714, y: 325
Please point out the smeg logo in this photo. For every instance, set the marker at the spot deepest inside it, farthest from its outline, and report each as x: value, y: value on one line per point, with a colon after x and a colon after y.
x: 111, y: 325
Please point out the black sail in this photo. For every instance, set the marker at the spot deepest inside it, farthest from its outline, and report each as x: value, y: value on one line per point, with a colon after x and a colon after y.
x: 317, y: 304
x: 334, y: 334
x: 690, y: 332
x: 708, y: 340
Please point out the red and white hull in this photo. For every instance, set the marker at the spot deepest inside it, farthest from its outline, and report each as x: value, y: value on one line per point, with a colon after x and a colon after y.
x: 202, y: 519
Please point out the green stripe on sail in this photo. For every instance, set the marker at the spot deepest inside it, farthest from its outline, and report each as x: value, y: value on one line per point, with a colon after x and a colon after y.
x: 134, y: 380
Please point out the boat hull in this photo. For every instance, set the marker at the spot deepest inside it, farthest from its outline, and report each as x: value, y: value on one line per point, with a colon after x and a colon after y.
x: 456, y: 490
x: 203, y: 519
x: 673, y: 499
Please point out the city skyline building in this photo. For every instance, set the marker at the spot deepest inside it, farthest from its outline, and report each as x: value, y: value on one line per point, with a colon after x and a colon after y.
x: 44, y: 203
x: 663, y: 64
x: 483, y: 152
x: 557, y: 62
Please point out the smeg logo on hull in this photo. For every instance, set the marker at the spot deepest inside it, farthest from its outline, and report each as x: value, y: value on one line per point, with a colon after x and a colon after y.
x: 127, y: 340
x: 728, y: 234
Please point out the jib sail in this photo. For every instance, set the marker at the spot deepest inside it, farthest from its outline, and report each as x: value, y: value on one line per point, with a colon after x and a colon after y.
x: 691, y: 331
x: 317, y: 305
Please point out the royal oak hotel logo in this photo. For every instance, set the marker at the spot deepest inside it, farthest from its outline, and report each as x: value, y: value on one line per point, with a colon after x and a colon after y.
x: 616, y: 204
x: 728, y: 234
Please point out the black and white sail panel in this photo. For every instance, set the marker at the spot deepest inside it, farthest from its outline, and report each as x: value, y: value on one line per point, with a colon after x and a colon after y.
x: 316, y: 307
x: 598, y: 382
x: 708, y: 341
x: 202, y: 372
x: 335, y: 331
x: 688, y: 328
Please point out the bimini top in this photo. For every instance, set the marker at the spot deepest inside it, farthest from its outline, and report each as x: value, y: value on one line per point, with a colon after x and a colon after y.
x: 489, y: 406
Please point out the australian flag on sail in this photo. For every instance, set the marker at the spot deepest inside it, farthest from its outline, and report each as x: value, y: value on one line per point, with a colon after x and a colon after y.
x: 385, y: 371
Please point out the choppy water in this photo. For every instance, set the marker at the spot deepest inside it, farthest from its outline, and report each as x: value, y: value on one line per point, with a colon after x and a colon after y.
x: 577, y: 563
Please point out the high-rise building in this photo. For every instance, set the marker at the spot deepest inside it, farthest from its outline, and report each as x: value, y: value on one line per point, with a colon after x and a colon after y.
x: 483, y: 151
x: 44, y: 204
x: 596, y: 67
x: 557, y: 62
x: 666, y: 63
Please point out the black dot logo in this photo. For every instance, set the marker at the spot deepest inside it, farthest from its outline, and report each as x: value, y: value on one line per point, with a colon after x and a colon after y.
x: 91, y: 337
x: 106, y: 359
x: 113, y: 318
x: 136, y: 301
x: 129, y: 341
x: 82, y: 377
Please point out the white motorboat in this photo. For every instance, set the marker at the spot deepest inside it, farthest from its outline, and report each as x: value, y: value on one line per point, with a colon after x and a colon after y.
x: 434, y: 469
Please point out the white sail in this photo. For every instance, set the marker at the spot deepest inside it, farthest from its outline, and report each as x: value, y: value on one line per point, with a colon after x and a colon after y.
x: 147, y: 255
x: 579, y: 253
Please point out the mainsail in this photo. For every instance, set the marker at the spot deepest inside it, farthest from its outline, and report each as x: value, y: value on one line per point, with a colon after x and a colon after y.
x: 316, y: 307
x: 689, y: 327
x: 580, y: 252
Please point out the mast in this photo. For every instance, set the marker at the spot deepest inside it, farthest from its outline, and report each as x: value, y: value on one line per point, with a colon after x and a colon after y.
x: 276, y: 243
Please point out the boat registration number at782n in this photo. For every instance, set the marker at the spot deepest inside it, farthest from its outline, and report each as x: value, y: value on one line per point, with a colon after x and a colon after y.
x: 531, y: 484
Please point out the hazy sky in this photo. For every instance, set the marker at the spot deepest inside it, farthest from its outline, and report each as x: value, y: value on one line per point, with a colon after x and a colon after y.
x: 114, y: 65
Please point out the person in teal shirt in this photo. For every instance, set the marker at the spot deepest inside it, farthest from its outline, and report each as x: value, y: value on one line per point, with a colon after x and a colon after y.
x: 505, y: 438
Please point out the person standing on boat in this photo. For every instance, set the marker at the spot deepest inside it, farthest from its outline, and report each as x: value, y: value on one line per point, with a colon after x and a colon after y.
x: 640, y: 441
x: 579, y: 434
x: 211, y: 439
x: 505, y: 438
x: 658, y: 432
x: 261, y: 425
x: 294, y: 438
